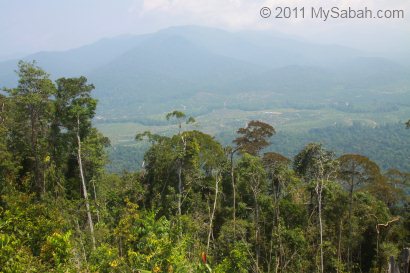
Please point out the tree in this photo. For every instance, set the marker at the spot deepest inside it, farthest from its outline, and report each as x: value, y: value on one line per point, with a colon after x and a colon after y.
x: 355, y: 170
x: 32, y: 119
x: 181, y: 163
x: 8, y: 164
x: 254, y: 137
x: 180, y: 117
x: 391, y: 188
x: 77, y: 108
x: 253, y: 185
x: 316, y: 164
x: 231, y: 151
x: 175, y: 215
x: 212, y: 162
x: 253, y: 140
x: 397, y: 178
x: 276, y: 166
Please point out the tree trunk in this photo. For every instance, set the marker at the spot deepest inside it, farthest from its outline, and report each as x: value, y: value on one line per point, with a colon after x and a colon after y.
x: 349, y: 239
x: 258, y: 248
x: 213, y: 212
x: 77, y: 225
x: 339, y: 243
x: 1, y: 111
x: 179, y: 190
x: 87, y: 203
x: 319, y: 197
x: 234, y: 193
x: 255, y: 190
x: 180, y: 183
x: 38, y: 181
x: 95, y: 201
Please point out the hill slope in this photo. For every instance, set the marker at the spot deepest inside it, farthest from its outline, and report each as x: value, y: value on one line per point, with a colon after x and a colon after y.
x: 154, y: 73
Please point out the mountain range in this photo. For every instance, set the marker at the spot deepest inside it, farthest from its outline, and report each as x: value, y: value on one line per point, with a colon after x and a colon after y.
x: 137, y: 75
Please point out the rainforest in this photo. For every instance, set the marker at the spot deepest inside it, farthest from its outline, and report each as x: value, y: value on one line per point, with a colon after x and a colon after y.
x: 195, y: 203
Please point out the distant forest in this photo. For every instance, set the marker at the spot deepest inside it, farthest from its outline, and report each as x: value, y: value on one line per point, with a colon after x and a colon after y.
x: 388, y: 145
x: 196, y: 204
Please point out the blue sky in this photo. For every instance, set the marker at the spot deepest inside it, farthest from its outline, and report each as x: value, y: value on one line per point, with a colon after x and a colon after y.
x: 28, y: 26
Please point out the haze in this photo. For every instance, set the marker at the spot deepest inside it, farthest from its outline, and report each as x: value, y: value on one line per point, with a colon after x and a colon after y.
x: 45, y: 25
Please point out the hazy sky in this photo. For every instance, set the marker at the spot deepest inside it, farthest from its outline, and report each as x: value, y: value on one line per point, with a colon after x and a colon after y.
x: 28, y: 26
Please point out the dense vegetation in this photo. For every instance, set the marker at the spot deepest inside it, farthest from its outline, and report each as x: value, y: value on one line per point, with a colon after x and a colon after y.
x: 388, y: 145
x: 196, y: 206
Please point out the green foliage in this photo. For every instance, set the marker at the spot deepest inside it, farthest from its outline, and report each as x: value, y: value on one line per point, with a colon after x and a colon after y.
x: 177, y: 213
x: 314, y: 163
x: 237, y: 261
x: 15, y: 257
x: 32, y: 110
x: 175, y: 114
x: 57, y: 250
x: 8, y: 164
x: 180, y: 118
x: 358, y: 169
x: 75, y: 107
x: 151, y: 243
x: 105, y: 260
x: 30, y: 234
x: 252, y: 178
x: 387, y: 145
x: 254, y: 137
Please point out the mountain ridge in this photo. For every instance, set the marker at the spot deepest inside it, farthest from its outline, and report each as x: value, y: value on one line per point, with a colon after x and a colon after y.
x: 141, y: 74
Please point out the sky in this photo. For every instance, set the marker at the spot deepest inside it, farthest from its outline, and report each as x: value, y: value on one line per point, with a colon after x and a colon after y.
x: 28, y: 26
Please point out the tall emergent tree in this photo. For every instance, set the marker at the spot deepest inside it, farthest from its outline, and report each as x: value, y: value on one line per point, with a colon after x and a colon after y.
x: 182, y: 146
x: 277, y: 168
x: 180, y: 117
x: 355, y: 170
x: 254, y: 137
x: 31, y: 121
x: 252, y: 184
x: 316, y: 164
x: 76, y: 110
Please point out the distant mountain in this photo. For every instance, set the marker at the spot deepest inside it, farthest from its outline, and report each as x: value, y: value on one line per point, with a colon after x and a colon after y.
x: 136, y: 75
x: 74, y: 62
x: 170, y: 66
x: 263, y: 47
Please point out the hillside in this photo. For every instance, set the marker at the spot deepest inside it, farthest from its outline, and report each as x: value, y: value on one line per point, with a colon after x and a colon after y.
x: 225, y: 79
x: 143, y: 75
x: 198, y: 203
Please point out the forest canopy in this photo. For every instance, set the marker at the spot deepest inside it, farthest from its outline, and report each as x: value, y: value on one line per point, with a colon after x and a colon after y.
x: 195, y: 206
